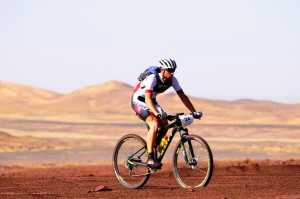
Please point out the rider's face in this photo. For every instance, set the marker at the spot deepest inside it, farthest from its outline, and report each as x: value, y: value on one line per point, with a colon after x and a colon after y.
x: 168, y: 74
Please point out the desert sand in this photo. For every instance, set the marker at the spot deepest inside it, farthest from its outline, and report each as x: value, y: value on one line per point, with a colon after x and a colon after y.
x: 56, y: 145
x: 230, y: 180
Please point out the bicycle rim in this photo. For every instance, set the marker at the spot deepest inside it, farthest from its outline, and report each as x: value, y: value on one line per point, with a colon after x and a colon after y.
x: 195, y: 171
x: 129, y: 149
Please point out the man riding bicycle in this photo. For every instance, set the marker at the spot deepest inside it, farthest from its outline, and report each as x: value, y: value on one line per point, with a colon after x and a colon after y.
x: 144, y: 103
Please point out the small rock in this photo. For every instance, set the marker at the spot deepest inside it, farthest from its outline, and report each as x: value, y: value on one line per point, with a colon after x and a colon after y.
x: 102, y: 188
x: 191, y: 190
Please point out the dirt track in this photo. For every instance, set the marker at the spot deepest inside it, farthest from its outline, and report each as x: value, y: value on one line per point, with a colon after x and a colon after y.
x: 244, y: 181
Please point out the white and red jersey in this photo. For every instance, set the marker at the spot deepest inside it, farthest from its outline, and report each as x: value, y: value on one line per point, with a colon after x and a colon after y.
x: 155, y: 84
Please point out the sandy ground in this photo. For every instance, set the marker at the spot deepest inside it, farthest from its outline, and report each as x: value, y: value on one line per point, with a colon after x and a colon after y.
x: 234, y: 180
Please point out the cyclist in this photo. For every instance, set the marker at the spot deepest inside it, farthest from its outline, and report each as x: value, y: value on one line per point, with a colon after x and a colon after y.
x: 144, y: 103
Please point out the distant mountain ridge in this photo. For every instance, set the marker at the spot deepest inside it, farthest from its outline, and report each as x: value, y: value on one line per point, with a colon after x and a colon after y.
x: 111, y: 101
x: 17, y: 92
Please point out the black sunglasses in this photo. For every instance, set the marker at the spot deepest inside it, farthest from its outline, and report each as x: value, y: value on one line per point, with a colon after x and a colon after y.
x: 171, y: 70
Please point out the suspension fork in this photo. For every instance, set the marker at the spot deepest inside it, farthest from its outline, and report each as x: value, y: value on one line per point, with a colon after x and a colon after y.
x: 182, y: 139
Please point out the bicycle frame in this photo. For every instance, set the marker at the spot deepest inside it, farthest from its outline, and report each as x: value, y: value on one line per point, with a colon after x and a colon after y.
x: 176, y: 125
x: 185, y: 157
x: 175, y: 129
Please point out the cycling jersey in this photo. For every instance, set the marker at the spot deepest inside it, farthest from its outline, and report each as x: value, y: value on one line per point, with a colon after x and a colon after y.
x: 155, y: 84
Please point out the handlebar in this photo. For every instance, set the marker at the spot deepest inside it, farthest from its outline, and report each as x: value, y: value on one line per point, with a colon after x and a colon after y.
x: 176, y: 116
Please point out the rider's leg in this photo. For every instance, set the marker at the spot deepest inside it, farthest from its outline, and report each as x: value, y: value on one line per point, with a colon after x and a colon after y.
x: 146, y: 115
x: 161, y: 132
x: 151, y: 136
x: 153, y: 128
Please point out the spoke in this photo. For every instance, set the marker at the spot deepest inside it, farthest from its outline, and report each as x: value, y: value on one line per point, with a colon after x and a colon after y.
x: 201, y: 170
x: 196, y: 170
x: 130, y: 152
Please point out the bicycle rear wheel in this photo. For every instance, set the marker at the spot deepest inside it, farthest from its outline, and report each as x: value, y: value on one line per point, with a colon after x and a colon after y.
x: 129, y: 150
x: 192, y: 162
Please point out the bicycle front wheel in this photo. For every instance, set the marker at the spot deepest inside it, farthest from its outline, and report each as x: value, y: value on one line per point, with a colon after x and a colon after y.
x: 192, y: 162
x: 129, y: 151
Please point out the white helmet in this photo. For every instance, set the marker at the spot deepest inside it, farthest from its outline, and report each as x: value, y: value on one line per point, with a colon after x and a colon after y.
x: 167, y: 63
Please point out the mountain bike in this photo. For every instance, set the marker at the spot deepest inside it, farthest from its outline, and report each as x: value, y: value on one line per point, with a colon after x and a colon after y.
x: 192, y: 157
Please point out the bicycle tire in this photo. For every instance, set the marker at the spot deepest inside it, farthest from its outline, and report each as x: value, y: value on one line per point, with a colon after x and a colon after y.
x: 199, y: 170
x: 130, y: 175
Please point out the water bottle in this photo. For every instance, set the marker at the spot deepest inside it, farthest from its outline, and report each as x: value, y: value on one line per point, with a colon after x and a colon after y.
x: 162, y: 143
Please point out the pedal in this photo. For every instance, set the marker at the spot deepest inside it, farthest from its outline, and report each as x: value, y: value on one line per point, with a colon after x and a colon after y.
x: 153, y: 170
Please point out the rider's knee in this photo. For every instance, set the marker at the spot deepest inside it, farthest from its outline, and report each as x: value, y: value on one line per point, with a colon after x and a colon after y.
x: 155, y: 125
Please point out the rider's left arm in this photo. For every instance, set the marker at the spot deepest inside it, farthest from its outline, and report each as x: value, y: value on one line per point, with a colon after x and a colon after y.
x: 186, y: 101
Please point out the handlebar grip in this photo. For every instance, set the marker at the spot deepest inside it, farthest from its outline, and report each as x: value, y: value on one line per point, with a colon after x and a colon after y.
x: 197, y: 115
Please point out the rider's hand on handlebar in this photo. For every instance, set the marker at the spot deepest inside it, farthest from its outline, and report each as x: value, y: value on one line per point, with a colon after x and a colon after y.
x: 162, y: 115
x: 197, y: 115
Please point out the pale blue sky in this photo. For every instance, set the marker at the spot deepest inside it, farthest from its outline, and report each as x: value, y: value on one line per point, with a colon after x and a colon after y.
x: 224, y: 49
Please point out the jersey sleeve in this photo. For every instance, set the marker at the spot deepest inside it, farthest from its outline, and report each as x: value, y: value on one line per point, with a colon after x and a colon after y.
x: 176, y: 85
x: 149, y: 83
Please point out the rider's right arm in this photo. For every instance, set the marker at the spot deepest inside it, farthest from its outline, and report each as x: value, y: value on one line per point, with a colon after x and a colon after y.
x: 149, y: 84
x: 149, y: 102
